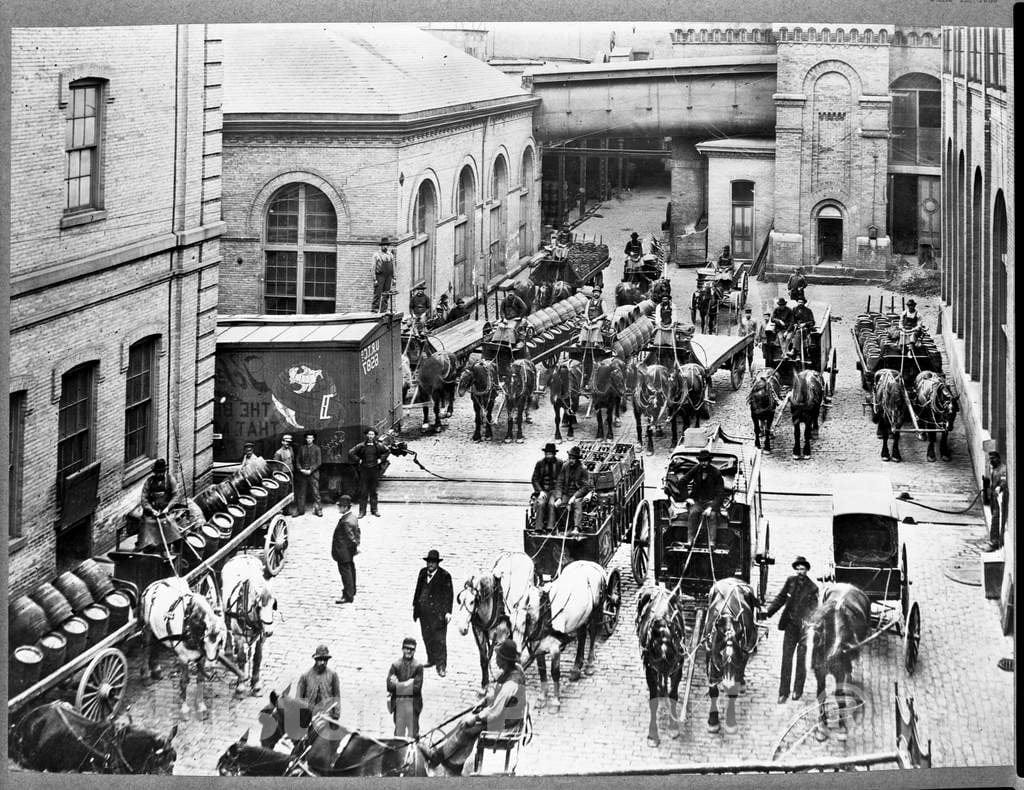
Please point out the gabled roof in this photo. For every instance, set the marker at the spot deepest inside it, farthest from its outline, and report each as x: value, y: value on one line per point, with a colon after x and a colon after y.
x: 352, y: 71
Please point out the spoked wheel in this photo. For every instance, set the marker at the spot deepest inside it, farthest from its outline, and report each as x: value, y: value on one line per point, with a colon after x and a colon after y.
x: 739, y: 364
x: 744, y: 287
x: 207, y: 587
x: 274, y: 546
x: 762, y: 575
x: 912, y: 639
x: 641, y: 542
x: 904, y: 584
x: 799, y: 739
x: 101, y: 689
x: 611, y: 604
x: 829, y: 374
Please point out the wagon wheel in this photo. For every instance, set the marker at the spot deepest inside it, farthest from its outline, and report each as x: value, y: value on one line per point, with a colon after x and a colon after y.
x: 801, y: 729
x: 611, y: 604
x: 101, y: 689
x: 641, y: 541
x: 739, y: 364
x: 912, y: 639
x: 762, y: 575
x: 274, y: 546
x: 207, y: 587
x: 904, y: 584
x: 744, y: 287
x: 829, y: 374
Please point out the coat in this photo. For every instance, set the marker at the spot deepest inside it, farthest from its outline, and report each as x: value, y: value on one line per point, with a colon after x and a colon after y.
x: 546, y: 478
x: 286, y: 455
x: 802, y: 315
x: 800, y: 597
x: 308, y: 457
x: 708, y: 485
x: 784, y: 315
x: 345, y: 543
x: 369, y: 455
x: 433, y: 600
x: 405, y: 679
x: 574, y: 480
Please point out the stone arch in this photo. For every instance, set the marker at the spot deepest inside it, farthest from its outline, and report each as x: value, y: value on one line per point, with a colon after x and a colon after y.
x: 500, y: 155
x: 827, y: 209
x: 529, y: 149
x: 470, y: 162
x: 428, y: 174
x: 256, y: 227
x: 928, y: 40
x: 823, y: 67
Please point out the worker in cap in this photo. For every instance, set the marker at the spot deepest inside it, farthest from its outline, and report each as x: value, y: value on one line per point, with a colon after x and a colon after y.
x: 802, y: 315
x: 405, y: 691
x: 419, y: 303
x: 159, y: 494
x: 634, y: 246
x: 285, y: 454
x: 782, y: 316
x: 748, y: 325
x: 574, y: 487
x: 319, y: 687
x: 252, y: 462
x: 707, y: 495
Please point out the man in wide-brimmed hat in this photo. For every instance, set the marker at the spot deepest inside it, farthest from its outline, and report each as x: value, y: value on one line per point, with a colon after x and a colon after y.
x: 319, y: 686
x: 797, y: 283
x: 573, y: 486
x: 547, y: 473
x: 432, y: 606
x: 799, y: 596
x: 405, y: 691
x: 383, y: 276
x: 707, y: 492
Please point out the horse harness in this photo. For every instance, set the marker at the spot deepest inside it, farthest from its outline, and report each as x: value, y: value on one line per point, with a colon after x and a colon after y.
x: 188, y: 636
x: 114, y: 744
x: 247, y: 614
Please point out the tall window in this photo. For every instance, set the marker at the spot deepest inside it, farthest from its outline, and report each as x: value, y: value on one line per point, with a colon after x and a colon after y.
x: 424, y: 220
x: 465, y: 200
x: 138, y: 401
x: 499, y: 219
x: 743, y: 220
x: 301, y: 249
x: 525, y: 214
x: 76, y: 420
x: 916, y: 120
x: 82, y: 143
x: 16, y: 471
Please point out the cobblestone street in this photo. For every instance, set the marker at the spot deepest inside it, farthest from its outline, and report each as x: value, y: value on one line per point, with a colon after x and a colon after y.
x: 964, y: 702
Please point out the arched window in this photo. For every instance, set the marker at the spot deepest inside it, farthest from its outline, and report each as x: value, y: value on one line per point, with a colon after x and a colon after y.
x: 424, y: 223
x: 975, y: 279
x: 465, y: 200
x: 997, y: 340
x: 301, y: 250
x: 959, y: 231
x: 525, y: 205
x: 499, y: 218
x: 916, y: 120
x: 743, y: 220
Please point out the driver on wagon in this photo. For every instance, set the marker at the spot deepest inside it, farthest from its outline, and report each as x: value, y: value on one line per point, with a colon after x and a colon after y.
x: 574, y: 483
x: 159, y: 494
x: 707, y: 494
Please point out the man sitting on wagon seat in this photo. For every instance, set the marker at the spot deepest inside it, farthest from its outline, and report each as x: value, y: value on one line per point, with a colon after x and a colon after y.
x: 574, y: 485
x: 707, y: 493
x: 546, y: 475
x: 512, y: 306
x: 159, y: 493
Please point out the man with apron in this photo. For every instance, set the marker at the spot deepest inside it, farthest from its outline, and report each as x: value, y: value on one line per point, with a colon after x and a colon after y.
x: 159, y: 493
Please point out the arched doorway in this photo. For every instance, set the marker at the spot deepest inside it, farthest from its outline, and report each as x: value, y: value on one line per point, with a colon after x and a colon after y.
x: 526, y: 205
x: 499, y: 218
x: 465, y: 200
x: 424, y: 224
x: 830, y: 234
x: 997, y: 339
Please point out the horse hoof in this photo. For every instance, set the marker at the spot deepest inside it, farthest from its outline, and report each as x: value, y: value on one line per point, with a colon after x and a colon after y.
x: 426, y: 426
x: 204, y: 714
x: 897, y: 459
x: 541, y: 702
x: 588, y: 670
x: 931, y: 460
x: 796, y: 456
x: 575, y: 675
x: 239, y: 691
x: 821, y: 734
x: 714, y: 728
x: 731, y: 729
x: 675, y: 733
x: 508, y: 440
x: 885, y: 459
x: 156, y: 674
x: 945, y: 458
x: 618, y: 423
x: 653, y: 742
x: 841, y: 736
x: 556, y: 705
x: 256, y: 689
x: 184, y: 711
x: 520, y: 440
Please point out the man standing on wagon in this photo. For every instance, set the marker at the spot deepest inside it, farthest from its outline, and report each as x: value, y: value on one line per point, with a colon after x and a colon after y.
x: 799, y: 595
x: 159, y: 494
x: 383, y: 276
x: 707, y: 493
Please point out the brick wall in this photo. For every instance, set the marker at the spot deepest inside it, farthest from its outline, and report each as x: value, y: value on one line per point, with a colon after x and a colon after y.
x: 86, y: 293
x: 722, y: 171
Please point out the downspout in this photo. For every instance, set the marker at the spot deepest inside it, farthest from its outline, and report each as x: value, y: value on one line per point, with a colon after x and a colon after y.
x: 174, y: 282
x: 483, y: 212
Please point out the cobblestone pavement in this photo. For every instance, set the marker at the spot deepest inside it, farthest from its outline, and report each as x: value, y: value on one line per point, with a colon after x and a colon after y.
x: 964, y: 702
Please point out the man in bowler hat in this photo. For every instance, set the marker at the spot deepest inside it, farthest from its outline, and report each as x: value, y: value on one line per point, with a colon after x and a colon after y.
x: 799, y: 596
x: 432, y: 606
x: 344, y: 547
x: 405, y: 691
x: 547, y: 473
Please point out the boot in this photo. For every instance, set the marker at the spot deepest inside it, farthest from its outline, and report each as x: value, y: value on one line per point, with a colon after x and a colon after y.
x: 318, y: 512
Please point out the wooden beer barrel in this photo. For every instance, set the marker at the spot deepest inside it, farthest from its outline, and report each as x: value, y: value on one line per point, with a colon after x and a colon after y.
x: 27, y: 621
x: 26, y: 666
x: 76, y: 632
x: 120, y: 606
x: 54, y: 648
x: 95, y: 578
x: 240, y: 482
x: 248, y: 504
x: 225, y: 523
x: 211, y: 534
x: 259, y: 493
x: 98, y: 619
x: 210, y: 502
x: 273, y: 491
x: 53, y: 603
x: 284, y: 481
x: 74, y: 589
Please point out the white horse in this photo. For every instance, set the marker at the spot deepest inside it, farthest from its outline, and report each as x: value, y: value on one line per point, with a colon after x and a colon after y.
x: 186, y: 621
x: 495, y: 604
x: 569, y: 606
x: 249, y: 606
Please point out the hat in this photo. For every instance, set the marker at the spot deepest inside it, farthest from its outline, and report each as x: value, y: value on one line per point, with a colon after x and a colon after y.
x: 747, y: 309
x: 344, y: 501
x: 507, y: 651
x: 409, y: 642
x: 575, y: 452
x: 911, y: 303
x: 286, y: 438
x: 801, y: 560
x: 308, y: 433
x: 550, y: 448
x: 634, y: 235
x: 802, y: 299
x: 248, y: 445
x: 432, y: 556
x: 367, y: 431
x: 704, y: 454
x: 322, y: 652
x: 419, y: 286
x: 384, y: 241
x: 159, y: 465
x: 782, y: 302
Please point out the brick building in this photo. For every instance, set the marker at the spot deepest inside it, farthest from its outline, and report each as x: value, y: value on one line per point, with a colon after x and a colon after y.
x: 978, y: 234
x: 115, y: 225
x: 395, y: 133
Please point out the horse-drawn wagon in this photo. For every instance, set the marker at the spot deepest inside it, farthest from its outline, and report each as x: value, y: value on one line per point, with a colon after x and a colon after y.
x: 577, y: 264
x: 806, y: 350
x: 733, y: 279
x: 880, y: 343
x: 101, y: 611
x: 642, y: 270
x: 867, y: 553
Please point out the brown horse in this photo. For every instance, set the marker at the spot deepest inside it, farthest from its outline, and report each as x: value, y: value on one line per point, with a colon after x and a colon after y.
x: 549, y: 293
x: 661, y: 287
x: 661, y: 631
x: 937, y: 407
x: 564, y: 385
x: 627, y: 293
x: 692, y: 399
x: 889, y: 410
x: 436, y: 378
x: 520, y: 382
x: 608, y: 393
x: 730, y: 636
x: 481, y: 381
x: 804, y: 406
x: 764, y: 398
x: 655, y: 398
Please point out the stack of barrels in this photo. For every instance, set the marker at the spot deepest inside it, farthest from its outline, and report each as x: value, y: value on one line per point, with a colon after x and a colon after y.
x: 60, y: 620
x: 550, y: 326
x: 585, y: 258
x: 234, y: 504
x: 872, y: 333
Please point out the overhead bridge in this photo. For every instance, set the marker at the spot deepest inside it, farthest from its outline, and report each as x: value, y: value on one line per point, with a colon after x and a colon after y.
x: 692, y: 98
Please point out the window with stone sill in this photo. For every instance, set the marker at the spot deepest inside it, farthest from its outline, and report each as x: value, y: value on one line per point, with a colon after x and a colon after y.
x: 76, y: 421
x: 16, y: 469
x: 83, y: 149
x: 140, y: 388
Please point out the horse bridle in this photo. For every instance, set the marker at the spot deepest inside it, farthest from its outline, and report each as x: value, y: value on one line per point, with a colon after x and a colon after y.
x: 248, y: 614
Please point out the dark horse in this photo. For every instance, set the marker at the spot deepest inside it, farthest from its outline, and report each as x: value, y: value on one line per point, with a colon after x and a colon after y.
x: 804, y: 406
x: 660, y: 288
x: 937, y: 407
x: 889, y: 410
x: 608, y: 393
x: 692, y: 398
x: 481, y: 381
x: 436, y: 378
x: 56, y: 738
x: 325, y: 747
x: 627, y: 293
x: 705, y: 302
x: 731, y: 637
x: 764, y: 398
x: 564, y: 386
x: 520, y: 381
x: 835, y: 633
x: 661, y: 629
x: 549, y: 293
x: 655, y: 398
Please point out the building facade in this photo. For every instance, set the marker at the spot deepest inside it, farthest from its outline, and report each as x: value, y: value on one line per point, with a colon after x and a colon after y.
x: 978, y: 237
x: 428, y: 147
x: 113, y: 279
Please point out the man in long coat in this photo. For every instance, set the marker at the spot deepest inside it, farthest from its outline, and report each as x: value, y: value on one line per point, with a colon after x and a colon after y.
x: 344, y: 547
x: 799, y: 596
x: 405, y: 691
x: 432, y: 606
x: 159, y: 494
x: 307, y: 481
x: 547, y: 473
